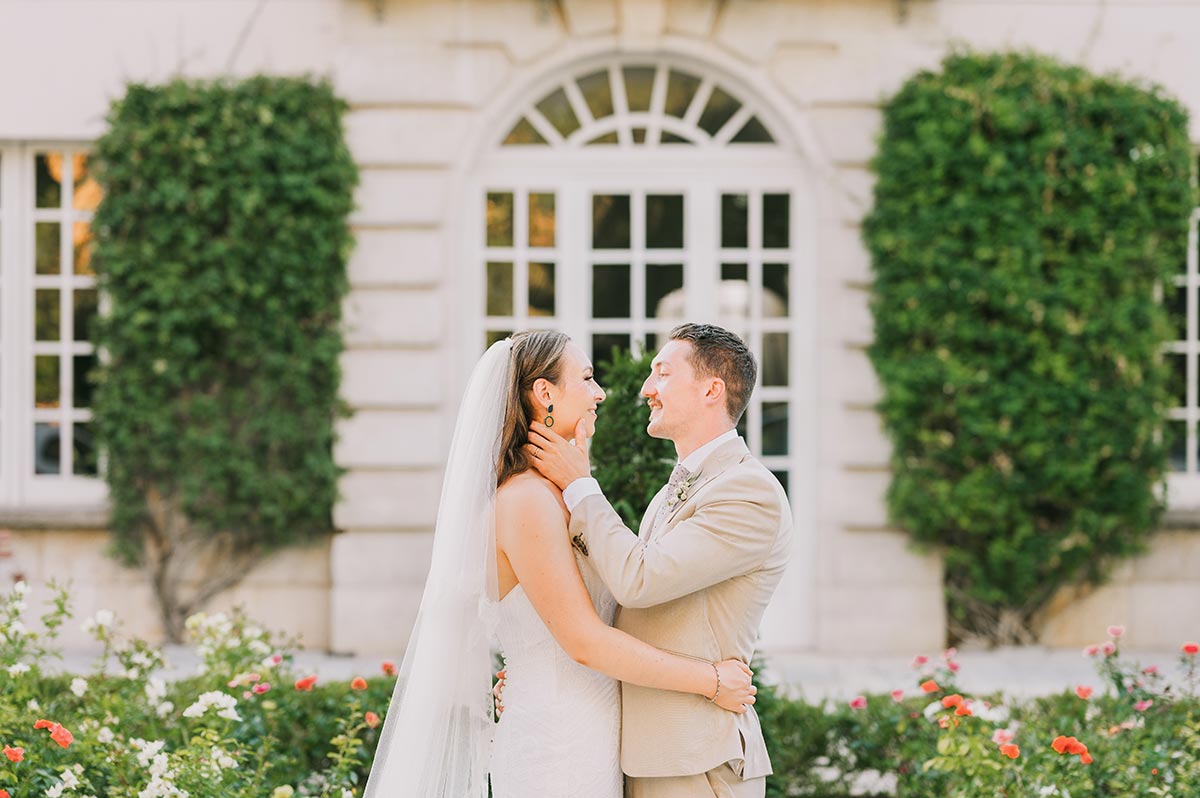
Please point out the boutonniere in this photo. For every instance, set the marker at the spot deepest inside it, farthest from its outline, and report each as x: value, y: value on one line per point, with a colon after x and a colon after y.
x: 680, y: 493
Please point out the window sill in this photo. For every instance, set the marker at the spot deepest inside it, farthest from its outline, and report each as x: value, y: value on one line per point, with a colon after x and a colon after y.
x: 1180, y: 518
x: 88, y: 516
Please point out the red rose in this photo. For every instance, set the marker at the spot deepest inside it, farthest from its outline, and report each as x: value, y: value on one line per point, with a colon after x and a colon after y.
x: 60, y: 735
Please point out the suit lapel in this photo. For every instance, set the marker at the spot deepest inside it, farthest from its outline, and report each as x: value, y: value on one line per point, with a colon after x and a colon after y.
x: 651, y: 511
x: 724, y: 456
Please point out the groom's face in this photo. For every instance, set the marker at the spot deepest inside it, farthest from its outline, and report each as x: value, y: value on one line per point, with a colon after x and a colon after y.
x: 672, y: 391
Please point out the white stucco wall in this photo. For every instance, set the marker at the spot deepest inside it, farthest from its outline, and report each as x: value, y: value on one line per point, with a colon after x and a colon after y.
x: 427, y: 83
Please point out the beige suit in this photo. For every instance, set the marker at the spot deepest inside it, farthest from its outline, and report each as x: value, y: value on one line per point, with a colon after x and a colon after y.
x: 697, y: 585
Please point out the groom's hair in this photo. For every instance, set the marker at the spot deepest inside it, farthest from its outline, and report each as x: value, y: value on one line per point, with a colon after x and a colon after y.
x: 716, y: 352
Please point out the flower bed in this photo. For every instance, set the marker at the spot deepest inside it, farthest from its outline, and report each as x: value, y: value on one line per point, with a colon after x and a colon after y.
x: 1133, y: 732
x: 249, y: 724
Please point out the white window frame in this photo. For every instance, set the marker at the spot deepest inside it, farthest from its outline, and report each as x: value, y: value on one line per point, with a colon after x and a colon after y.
x: 20, y: 487
x: 1183, y: 487
x: 702, y: 172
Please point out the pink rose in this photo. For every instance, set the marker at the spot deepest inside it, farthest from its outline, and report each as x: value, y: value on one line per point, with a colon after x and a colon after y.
x: 1002, y: 737
x: 1142, y: 706
x: 897, y: 696
x: 1116, y: 631
x: 858, y: 702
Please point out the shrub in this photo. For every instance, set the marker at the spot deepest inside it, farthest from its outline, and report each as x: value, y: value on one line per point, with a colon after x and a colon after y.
x: 629, y: 464
x: 222, y: 242
x: 1025, y: 211
x: 249, y: 724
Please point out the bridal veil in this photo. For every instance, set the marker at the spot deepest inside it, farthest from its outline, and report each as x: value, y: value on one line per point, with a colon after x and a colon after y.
x: 437, y: 733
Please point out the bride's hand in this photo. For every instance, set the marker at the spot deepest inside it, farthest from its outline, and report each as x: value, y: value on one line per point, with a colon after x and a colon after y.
x: 737, y: 690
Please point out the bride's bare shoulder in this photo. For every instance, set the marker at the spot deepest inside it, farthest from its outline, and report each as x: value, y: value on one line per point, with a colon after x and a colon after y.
x: 526, y: 492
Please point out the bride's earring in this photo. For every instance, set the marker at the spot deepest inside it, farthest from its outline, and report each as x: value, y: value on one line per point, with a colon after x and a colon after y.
x: 549, y: 418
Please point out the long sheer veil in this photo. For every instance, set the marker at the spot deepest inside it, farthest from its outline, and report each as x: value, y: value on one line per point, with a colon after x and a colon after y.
x: 437, y: 733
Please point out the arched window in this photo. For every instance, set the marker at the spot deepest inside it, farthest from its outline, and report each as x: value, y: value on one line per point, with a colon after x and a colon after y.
x: 632, y: 194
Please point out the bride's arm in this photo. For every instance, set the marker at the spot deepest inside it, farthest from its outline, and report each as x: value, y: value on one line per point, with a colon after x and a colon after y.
x: 530, y: 529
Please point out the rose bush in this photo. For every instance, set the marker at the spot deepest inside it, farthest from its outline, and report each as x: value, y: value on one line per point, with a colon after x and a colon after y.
x: 250, y: 724
x: 246, y: 724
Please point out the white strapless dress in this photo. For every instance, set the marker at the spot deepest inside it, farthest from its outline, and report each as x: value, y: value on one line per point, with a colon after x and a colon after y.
x: 559, y: 736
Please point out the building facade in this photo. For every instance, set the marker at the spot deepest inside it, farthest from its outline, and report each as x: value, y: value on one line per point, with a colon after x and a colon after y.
x: 603, y: 167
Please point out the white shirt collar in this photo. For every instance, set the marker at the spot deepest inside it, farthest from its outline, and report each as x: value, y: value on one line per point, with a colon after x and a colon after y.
x: 693, y: 460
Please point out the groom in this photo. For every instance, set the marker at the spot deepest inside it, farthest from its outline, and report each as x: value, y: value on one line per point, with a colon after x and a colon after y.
x: 697, y: 578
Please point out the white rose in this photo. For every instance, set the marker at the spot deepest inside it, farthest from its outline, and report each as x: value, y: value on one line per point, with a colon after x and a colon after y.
x: 79, y: 686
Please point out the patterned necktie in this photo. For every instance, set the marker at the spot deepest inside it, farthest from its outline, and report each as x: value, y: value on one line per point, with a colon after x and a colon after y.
x: 669, y: 501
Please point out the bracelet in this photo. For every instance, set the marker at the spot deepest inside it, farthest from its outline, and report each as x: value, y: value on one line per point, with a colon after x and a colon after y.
x: 718, y: 672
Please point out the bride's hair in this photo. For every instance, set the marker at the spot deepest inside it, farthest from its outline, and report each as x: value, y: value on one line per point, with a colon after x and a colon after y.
x: 534, y: 356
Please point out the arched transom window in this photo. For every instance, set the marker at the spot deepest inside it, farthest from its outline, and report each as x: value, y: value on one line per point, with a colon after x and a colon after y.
x: 641, y: 104
x: 631, y: 195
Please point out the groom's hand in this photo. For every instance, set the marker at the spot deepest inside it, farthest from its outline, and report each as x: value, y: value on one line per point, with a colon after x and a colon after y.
x: 558, y: 460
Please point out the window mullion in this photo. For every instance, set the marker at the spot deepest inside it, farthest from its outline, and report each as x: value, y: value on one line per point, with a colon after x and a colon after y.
x: 701, y: 228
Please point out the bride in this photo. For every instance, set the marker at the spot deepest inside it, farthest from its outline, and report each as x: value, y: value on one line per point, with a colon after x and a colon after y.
x: 504, y: 568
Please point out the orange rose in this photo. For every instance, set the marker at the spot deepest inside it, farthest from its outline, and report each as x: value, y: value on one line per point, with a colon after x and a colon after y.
x: 1083, y: 691
x: 359, y: 683
x: 57, y: 733
x: 60, y: 735
x: 306, y: 683
x: 963, y: 710
x: 1011, y: 751
x: 389, y: 669
x: 952, y: 701
x: 372, y: 719
x: 4, y: 794
x: 930, y: 686
x: 1059, y: 744
x: 15, y: 754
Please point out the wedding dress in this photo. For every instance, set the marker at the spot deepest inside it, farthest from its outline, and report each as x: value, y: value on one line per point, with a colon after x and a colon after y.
x: 559, y: 736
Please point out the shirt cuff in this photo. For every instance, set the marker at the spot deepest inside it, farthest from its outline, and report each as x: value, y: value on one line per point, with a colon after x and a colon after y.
x: 579, y: 490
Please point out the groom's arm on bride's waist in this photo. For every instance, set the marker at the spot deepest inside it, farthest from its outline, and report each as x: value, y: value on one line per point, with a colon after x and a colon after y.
x: 731, y: 533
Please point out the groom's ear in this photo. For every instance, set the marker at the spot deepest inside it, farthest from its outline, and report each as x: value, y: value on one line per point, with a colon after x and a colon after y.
x: 716, y: 390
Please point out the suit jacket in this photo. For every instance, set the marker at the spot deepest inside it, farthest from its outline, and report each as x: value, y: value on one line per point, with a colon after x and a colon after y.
x: 697, y: 586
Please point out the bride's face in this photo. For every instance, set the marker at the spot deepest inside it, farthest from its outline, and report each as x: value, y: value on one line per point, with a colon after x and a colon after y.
x: 576, y: 396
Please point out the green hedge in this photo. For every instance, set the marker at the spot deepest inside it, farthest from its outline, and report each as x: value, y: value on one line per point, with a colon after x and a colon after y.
x: 629, y: 464
x: 1024, y: 212
x: 222, y: 244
